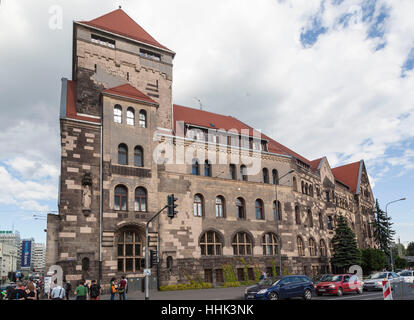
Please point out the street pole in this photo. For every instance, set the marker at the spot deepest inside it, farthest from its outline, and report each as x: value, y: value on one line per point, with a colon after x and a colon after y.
x: 279, y: 251
x: 147, y: 265
x: 388, y: 229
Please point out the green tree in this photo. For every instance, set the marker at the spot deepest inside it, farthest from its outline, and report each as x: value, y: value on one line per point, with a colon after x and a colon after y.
x: 398, y: 250
x: 382, y: 229
x: 344, y: 245
x: 372, y: 260
x: 410, y: 249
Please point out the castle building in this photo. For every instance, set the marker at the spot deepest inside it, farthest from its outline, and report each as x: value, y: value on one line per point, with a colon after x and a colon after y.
x: 243, y: 198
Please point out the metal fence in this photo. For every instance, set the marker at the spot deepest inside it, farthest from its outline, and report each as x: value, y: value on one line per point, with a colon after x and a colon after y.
x: 402, y: 290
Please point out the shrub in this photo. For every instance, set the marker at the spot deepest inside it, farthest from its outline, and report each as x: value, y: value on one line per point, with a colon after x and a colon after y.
x: 229, y: 274
x: 231, y: 284
x: 186, y: 286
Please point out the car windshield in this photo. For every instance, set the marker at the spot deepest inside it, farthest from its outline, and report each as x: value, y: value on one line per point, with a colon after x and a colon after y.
x: 277, y: 281
x: 405, y: 273
x: 325, y: 277
x: 333, y: 278
x: 266, y: 282
x: 378, y: 275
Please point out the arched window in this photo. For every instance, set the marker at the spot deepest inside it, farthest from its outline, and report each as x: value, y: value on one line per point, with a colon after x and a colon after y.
x: 138, y: 156
x: 118, y: 114
x: 220, y: 207
x: 310, y: 220
x: 240, y: 208
x: 321, y: 226
x: 311, y: 190
x: 306, y: 188
x: 270, y: 244
x: 130, y: 116
x: 129, y: 251
x: 312, y: 247
x: 121, y: 198
x: 141, y: 199
x: 297, y: 215
x: 233, y: 173
x: 142, y: 119
x: 265, y: 175
x: 242, y: 244
x: 207, y: 168
x: 198, y: 205
x: 323, y: 248
x: 169, y: 262
x: 275, y: 176
x: 243, y: 172
x: 195, y: 168
x: 277, y: 210
x: 85, y: 264
x: 211, y: 244
x: 295, y: 184
x: 259, y: 209
x: 122, y: 154
x: 301, y: 249
x: 303, y: 187
x: 331, y: 250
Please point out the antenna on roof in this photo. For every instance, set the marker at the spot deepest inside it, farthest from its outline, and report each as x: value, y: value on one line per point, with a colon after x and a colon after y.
x: 120, y: 7
x: 199, y: 101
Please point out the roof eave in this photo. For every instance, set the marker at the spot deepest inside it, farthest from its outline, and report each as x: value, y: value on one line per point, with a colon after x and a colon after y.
x: 130, y: 98
x: 125, y: 37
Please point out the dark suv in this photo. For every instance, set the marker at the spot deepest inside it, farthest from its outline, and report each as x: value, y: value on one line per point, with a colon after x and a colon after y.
x: 281, y: 288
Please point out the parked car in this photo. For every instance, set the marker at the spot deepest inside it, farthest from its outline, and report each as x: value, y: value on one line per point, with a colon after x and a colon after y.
x: 281, y: 288
x: 407, y: 275
x: 374, y: 281
x: 339, y: 284
x: 322, y: 278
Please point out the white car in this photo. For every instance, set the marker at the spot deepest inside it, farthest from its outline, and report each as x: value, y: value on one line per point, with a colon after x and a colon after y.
x: 407, y: 275
x: 374, y: 281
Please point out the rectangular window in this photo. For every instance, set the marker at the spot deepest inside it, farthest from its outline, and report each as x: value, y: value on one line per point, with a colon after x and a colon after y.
x: 103, y: 41
x: 219, y: 275
x: 233, y: 172
x: 149, y: 55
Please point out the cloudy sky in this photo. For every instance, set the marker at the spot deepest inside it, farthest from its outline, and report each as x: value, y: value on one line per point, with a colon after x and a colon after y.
x: 323, y: 77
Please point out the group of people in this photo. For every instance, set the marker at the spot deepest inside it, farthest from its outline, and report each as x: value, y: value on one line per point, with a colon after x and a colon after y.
x: 118, y: 287
x: 24, y: 290
x: 83, y: 291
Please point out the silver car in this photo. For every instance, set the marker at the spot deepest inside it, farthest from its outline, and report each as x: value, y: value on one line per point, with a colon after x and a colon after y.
x: 374, y: 281
x: 407, y: 275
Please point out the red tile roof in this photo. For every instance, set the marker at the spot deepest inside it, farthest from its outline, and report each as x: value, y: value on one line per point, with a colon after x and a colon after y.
x: 348, y: 174
x: 315, y: 164
x: 128, y: 91
x: 71, y: 112
x: 205, y: 119
x: 120, y: 23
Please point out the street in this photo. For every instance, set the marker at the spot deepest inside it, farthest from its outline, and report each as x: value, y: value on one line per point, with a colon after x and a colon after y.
x: 232, y: 294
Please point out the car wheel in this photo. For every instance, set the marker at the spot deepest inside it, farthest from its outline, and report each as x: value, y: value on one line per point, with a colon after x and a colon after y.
x: 307, y: 295
x: 273, y: 296
x: 339, y: 292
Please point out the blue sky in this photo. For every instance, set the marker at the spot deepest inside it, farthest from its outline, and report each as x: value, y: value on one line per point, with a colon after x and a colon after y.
x: 326, y: 78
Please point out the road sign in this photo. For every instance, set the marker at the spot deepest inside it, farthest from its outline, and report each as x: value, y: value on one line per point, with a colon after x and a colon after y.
x: 147, y: 272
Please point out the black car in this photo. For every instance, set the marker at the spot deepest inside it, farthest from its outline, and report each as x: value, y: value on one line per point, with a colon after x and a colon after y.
x: 276, y: 288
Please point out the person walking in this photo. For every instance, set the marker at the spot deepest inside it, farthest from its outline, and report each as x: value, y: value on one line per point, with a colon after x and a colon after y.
x: 95, y: 291
x: 31, y: 291
x: 122, y: 290
x: 68, y: 288
x: 58, y: 293
x: 81, y: 292
x: 113, y: 287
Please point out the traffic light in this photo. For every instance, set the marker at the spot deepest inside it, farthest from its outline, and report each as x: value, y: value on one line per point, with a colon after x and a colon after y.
x: 171, y: 206
x: 153, y: 258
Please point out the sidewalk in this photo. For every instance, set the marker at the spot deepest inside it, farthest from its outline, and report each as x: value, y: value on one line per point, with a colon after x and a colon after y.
x: 201, y: 294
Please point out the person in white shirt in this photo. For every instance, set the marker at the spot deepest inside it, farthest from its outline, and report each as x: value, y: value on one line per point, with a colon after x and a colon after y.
x: 58, y: 293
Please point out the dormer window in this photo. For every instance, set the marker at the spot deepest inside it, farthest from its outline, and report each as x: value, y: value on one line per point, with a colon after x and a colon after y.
x: 103, y: 41
x: 149, y: 55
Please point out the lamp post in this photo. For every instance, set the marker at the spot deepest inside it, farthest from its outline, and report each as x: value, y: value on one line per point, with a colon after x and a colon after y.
x: 279, y: 254
x: 388, y: 228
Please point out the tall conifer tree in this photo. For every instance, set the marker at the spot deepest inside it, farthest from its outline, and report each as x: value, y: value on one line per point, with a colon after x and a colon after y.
x: 345, y: 246
x: 382, y: 235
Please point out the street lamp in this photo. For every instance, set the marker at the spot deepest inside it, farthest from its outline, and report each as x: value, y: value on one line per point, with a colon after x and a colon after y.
x: 279, y: 255
x: 388, y: 227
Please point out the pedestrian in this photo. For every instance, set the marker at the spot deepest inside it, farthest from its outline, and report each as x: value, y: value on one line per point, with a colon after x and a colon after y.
x: 31, y: 291
x: 95, y: 291
x: 58, y: 293
x: 113, y: 287
x: 122, y: 289
x: 68, y: 288
x: 81, y: 292
x: 20, y: 292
